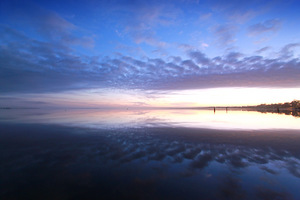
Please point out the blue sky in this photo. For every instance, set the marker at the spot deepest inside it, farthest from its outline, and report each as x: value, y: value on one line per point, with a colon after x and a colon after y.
x: 144, y: 52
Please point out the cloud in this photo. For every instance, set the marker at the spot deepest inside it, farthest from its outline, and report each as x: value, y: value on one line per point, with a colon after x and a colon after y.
x: 238, y: 12
x: 55, y: 28
x: 225, y: 34
x: 261, y: 50
x: 186, y: 47
x: 34, y: 66
x: 204, y: 45
x: 145, y: 35
x: 142, y: 19
x: 287, y: 51
x: 271, y: 25
x: 48, y: 24
x: 206, y: 16
x: 202, y: 161
x: 200, y: 58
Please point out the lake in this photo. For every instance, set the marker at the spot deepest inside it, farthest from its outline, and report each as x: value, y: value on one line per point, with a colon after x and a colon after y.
x: 148, y: 154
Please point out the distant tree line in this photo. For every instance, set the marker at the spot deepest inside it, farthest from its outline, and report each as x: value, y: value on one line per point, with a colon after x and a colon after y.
x: 288, y: 108
x: 288, y: 105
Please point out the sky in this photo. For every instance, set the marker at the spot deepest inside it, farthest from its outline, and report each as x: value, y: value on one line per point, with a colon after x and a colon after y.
x: 148, y: 53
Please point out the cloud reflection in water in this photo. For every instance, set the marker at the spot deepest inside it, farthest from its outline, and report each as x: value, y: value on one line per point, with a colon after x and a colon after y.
x: 148, y: 163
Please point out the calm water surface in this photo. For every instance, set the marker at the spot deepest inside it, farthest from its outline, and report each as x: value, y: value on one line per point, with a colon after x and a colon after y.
x: 148, y: 154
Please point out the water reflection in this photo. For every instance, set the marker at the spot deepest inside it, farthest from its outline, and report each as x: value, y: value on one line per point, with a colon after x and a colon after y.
x: 148, y: 154
x: 148, y: 163
x: 216, y: 119
x: 294, y: 112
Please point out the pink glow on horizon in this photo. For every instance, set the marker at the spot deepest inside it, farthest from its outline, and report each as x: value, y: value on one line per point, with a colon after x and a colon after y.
x: 139, y: 98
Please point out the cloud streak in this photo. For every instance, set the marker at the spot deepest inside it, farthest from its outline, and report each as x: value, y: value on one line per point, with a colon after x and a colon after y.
x: 49, y: 25
x: 271, y: 25
x: 225, y: 34
x: 142, y: 19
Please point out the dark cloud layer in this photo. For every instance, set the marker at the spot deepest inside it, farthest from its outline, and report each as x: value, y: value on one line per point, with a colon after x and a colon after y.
x: 30, y: 65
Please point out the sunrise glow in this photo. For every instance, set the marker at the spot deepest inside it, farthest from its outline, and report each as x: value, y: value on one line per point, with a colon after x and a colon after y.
x: 138, y: 54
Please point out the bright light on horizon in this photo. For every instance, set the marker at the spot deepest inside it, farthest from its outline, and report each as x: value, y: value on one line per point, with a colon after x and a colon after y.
x: 140, y: 98
x: 233, y: 96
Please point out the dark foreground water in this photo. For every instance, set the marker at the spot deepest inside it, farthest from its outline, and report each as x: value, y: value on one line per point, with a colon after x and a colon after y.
x: 69, y: 156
